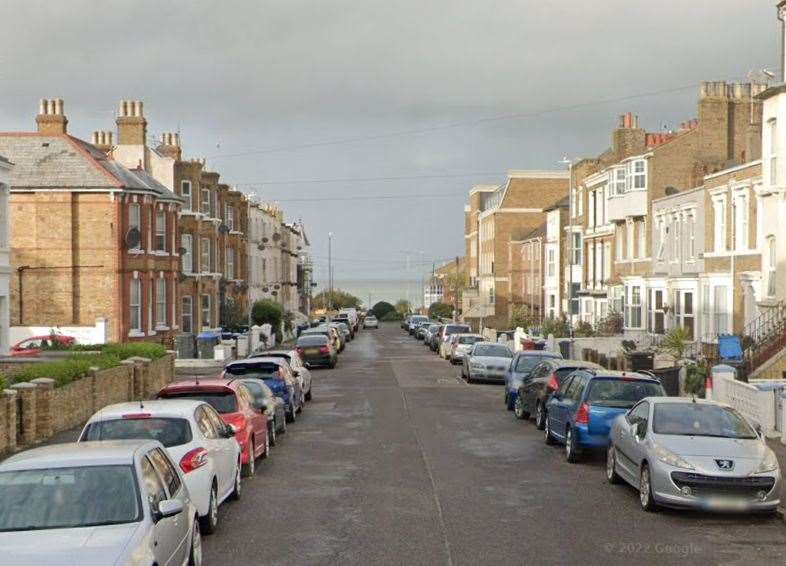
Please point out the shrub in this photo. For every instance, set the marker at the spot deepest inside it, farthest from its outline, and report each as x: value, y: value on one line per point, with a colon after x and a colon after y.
x: 611, y: 325
x: 676, y: 342
x: 522, y: 318
x: 70, y: 369
x: 149, y: 350
x: 392, y: 316
x: 556, y: 326
x: 440, y: 310
x: 695, y: 375
x: 584, y: 329
x: 382, y: 308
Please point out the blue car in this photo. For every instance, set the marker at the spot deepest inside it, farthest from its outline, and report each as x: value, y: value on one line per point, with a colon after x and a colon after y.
x: 520, y: 367
x: 579, y: 414
x: 276, y: 374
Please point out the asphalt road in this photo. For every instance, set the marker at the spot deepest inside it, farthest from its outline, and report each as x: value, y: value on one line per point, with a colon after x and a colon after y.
x: 397, y: 461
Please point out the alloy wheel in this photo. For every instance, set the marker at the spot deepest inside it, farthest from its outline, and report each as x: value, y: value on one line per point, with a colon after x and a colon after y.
x: 518, y: 408
x: 540, y: 416
x: 195, y: 557
x: 611, y: 465
x: 645, y: 490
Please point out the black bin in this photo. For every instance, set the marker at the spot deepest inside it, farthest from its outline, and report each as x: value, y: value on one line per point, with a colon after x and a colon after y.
x: 669, y: 379
x: 639, y: 361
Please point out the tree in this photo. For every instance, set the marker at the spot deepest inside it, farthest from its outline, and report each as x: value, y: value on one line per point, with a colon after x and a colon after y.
x: 522, y: 318
x: 382, y: 308
x: 403, y: 307
x: 269, y: 312
x: 340, y: 300
x: 440, y: 310
x: 232, y: 315
x: 392, y: 316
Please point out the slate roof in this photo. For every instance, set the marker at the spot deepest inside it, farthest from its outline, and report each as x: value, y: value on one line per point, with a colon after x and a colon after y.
x: 43, y: 161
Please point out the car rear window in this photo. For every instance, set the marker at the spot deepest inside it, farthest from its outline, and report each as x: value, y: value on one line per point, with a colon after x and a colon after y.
x: 455, y: 329
x: 623, y: 393
x: 168, y: 431
x: 260, y: 370
x: 493, y: 350
x: 220, y: 401
x: 313, y: 340
x: 469, y: 339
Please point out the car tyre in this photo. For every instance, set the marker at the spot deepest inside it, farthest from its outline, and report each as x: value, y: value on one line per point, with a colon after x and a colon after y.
x: 571, y: 450
x: 540, y: 416
x: 283, y: 425
x: 209, y: 523
x: 646, y: 499
x: 272, y: 440
x: 266, y: 453
x: 308, y: 395
x: 235, y: 495
x: 547, y: 432
x: 251, y: 468
x: 195, y: 553
x: 332, y: 364
x: 291, y: 415
x: 518, y: 409
x: 611, y: 466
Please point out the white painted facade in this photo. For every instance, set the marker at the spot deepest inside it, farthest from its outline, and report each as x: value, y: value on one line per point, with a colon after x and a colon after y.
x: 264, y: 254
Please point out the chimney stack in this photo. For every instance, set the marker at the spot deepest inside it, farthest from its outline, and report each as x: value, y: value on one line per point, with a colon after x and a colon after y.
x: 50, y: 119
x: 170, y: 145
x: 103, y: 140
x: 131, y: 123
x: 781, y: 7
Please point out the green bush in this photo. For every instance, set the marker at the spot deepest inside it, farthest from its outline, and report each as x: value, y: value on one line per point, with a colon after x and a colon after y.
x: 584, y: 330
x: 392, y: 316
x: 67, y: 370
x: 695, y: 374
x: 382, y: 308
x: 440, y: 310
x: 124, y: 351
x: 557, y: 326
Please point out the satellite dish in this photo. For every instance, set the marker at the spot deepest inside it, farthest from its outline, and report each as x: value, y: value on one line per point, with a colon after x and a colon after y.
x: 260, y: 247
x: 133, y: 237
x: 671, y: 191
x: 223, y: 229
x: 265, y: 240
x: 181, y: 250
x: 276, y: 237
x: 277, y: 286
x: 274, y: 293
x: 266, y: 289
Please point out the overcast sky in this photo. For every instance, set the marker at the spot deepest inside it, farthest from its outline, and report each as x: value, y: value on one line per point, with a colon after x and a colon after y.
x: 317, y: 99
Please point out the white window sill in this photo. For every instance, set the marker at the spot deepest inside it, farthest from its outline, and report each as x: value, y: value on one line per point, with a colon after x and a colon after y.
x: 136, y: 251
x: 161, y: 328
x: 136, y: 334
x: 161, y: 253
x: 151, y: 333
x: 236, y: 232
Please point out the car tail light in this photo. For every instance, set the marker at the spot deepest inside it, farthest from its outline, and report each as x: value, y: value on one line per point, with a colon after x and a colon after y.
x: 324, y: 350
x: 133, y: 416
x: 553, y: 384
x: 299, y: 350
x: 582, y: 415
x: 280, y: 374
x: 193, y: 460
x: 238, y: 421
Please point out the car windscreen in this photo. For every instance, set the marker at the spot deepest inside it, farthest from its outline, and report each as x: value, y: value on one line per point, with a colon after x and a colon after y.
x: 622, y: 393
x: 418, y: 319
x: 219, y: 400
x: 64, y: 498
x: 259, y: 370
x: 312, y: 340
x: 697, y: 419
x: 469, y: 339
x: 168, y: 431
x: 525, y: 364
x: 455, y: 329
x: 492, y: 350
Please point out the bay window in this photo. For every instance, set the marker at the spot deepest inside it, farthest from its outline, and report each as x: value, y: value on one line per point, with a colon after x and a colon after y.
x: 619, y: 181
x: 639, y: 174
x: 204, y: 250
x: 206, y: 311
x: 205, y: 204
x: 741, y: 222
x: 720, y: 310
x: 719, y: 216
x: 187, y: 314
x: 135, y: 222
x: 187, y: 243
x: 657, y: 315
x: 160, y: 231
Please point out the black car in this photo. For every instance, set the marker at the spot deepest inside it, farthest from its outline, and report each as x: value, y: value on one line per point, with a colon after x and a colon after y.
x: 267, y: 403
x: 544, y: 379
x: 345, y: 319
x: 316, y: 350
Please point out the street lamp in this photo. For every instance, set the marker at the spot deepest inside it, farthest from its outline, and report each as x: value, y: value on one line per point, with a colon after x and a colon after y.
x: 571, y: 250
x: 330, y: 271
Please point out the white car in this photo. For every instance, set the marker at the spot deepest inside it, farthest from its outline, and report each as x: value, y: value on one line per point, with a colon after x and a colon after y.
x: 96, y: 503
x: 370, y: 321
x: 196, y: 439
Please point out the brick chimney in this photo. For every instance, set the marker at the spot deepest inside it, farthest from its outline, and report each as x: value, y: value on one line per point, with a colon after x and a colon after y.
x: 628, y: 139
x: 170, y: 145
x: 51, y: 119
x: 103, y: 140
x: 131, y: 123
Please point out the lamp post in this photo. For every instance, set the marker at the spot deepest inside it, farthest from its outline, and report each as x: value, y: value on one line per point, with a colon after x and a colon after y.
x: 571, y: 250
x: 330, y: 271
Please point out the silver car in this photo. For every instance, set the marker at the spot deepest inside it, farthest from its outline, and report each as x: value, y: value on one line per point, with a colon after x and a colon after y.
x: 486, y: 361
x: 96, y: 503
x: 464, y: 343
x: 681, y: 452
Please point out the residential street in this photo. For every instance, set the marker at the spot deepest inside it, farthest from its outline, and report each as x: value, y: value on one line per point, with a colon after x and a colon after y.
x: 397, y: 461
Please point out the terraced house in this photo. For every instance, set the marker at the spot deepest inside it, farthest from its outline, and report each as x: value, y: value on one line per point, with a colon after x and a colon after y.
x: 94, y: 238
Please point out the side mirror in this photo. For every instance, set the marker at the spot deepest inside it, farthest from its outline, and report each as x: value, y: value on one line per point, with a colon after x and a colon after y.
x: 230, y: 431
x: 168, y: 508
x: 641, y: 429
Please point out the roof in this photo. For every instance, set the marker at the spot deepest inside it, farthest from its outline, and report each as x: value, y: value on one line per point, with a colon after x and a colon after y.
x: 564, y: 202
x: 104, y: 453
x: 43, y: 161
x: 159, y: 408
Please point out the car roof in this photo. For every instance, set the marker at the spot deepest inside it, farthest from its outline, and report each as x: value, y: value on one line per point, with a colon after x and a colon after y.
x: 487, y: 343
x: 255, y: 360
x: 540, y: 354
x: 574, y: 363
x: 613, y: 374
x: 277, y: 353
x: 468, y: 334
x: 197, y: 384
x: 687, y: 400
x: 103, y: 453
x: 167, y: 408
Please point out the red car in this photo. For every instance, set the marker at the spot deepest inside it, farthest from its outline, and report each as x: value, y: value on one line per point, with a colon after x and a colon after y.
x: 32, y: 347
x: 233, y: 401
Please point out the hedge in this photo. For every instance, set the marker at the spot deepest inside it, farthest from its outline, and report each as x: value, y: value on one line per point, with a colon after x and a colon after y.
x: 125, y: 351
x: 70, y: 369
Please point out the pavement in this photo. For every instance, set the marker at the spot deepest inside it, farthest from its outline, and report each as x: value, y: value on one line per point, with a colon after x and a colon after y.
x: 398, y: 461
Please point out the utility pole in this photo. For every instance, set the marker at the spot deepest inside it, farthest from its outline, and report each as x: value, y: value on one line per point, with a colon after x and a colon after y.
x: 455, y: 292
x: 330, y: 271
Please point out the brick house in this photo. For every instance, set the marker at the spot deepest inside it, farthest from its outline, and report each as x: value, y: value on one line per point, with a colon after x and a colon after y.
x: 93, y: 238
x: 526, y: 261
x: 5, y: 264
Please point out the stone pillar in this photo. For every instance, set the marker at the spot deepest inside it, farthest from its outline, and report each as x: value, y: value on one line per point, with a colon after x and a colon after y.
x: 27, y: 396
x: 8, y: 422
x: 142, y: 377
x: 44, y: 417
x: 170, y: 367
x: 95, y: 404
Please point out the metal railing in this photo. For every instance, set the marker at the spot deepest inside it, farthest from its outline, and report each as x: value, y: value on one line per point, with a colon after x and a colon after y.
x: 764, y: 336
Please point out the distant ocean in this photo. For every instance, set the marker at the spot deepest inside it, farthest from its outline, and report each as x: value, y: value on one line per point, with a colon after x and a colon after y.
x: 376, y: 290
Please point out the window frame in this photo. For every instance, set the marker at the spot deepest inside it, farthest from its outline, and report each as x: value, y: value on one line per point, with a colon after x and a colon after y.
x: 135, y: 221
x: 161, y: 303
x: 187, y: 314
x: 160, y: 231
x: 135, y: 305
x: 187, y: 195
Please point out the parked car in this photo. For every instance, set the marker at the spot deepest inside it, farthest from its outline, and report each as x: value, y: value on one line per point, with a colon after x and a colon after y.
x: 234, y: 403
x: 344, y: 333
x: 316, y: 350
x: 32, y: 347
x: 277, y: 374
x: 414, y: 321
x: 486, y: 361
x: 681, y: 452
x: 264, y: 400
x: 370, y: 321
x: 420, y: 329
x: 405, y: 322
x: 432, y: 341
x: 461, y: 345
x: 298, y: 367
x: 91, y: 503
x: 579, y: 414
x: 331, y: 333
x: 193, y: 435
x: 429, y: 331
x: 447, y: 331
x: 352, y: 314
x: 344, y: 320
x: 529, y: 389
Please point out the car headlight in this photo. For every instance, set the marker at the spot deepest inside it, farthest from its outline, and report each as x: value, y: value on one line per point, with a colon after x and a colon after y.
x: 768, y: 464
x: 475, y: 365
x: 670, y: 458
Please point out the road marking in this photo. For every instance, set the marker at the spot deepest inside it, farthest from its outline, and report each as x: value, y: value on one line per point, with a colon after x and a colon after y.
x: 434, y: 494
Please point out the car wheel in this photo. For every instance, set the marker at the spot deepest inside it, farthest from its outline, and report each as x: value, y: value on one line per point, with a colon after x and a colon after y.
x: 332, y: 364
x: 540, y: 416
x: 283, y: 428
x: 195, y: 554
x: 308, y: 395
x: 266, y: 453
x: 611, y: 466
x: 645, y: 490
x: 272, y: 433
x: 547, y: 432
x: 291, y: 415
x: 250, y: 469
x: 209, y: 522
x: 518, y: 409
x: 236, y: 490
x: 571, y: 451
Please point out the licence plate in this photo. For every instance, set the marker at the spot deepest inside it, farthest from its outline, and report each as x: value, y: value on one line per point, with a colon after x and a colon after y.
x: 311, y: 351
x: 726, y: 504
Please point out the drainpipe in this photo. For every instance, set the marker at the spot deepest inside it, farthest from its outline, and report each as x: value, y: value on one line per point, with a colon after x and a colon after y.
x: 20, y: 272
